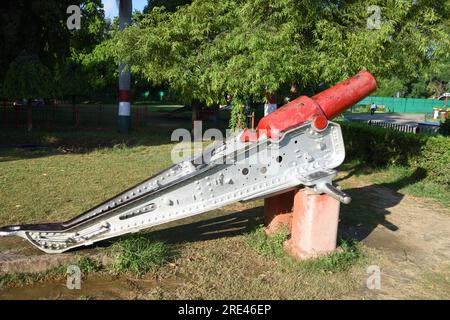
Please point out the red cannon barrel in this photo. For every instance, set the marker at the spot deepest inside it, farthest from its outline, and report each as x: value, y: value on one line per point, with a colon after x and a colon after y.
x: 345, y: 94
x: 320, y: 108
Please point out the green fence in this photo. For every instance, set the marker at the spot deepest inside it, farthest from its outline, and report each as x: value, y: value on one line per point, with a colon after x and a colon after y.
x: 404, y: 104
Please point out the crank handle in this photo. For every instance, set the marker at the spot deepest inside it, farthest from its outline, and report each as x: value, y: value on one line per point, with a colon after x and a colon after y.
x: 333, y: 192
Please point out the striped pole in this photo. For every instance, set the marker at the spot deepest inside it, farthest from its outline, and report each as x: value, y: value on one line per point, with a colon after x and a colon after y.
x: 124, y: 122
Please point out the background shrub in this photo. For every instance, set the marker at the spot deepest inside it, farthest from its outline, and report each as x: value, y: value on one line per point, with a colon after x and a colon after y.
x: 379, y: 147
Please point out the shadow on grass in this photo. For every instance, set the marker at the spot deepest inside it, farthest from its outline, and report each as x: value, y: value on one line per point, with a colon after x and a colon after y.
x: 369, y: 209
x: 185, y: 230
x: 18, y: 144
x: 353, y: 169
x: 370, y: 206
x: 227, y: 225
x: 192, y: 230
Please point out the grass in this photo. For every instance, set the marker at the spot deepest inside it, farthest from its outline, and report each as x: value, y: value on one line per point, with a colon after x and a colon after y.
x: 394, y: 176
x: 401, y: 179
x: 21, y: 279
x: 349, y: 253
x: 139, y: 254
x: 89, y: 265
x: 54, y: 186
x: 83, y: 169
x: 269, y: 246
x: 236, y: 268
x: 26, y: 279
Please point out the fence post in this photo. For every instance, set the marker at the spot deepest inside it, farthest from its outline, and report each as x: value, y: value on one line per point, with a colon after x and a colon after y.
x: 146, y: 113
x: 5, y: 114
x: 99, y: 114
x: 77, y: 116
x: 137, y: 119
x: 253, y: 120
x: 16, y: 117
x: 54, y: 106
x: 48, y: 111
x: 29, y: 117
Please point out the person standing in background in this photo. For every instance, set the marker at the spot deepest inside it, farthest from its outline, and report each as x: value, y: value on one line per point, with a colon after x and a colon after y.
x: 271, y: 104
x: 373, y: 108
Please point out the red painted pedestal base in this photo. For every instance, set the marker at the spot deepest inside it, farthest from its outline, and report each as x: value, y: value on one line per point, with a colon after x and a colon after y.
x: 278, y: 211
x: 313, y: 221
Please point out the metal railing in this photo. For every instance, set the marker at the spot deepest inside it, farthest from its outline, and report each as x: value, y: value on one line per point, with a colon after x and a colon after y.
x: 415, y: 129
x: 393, y: 126
x: 59, y: 116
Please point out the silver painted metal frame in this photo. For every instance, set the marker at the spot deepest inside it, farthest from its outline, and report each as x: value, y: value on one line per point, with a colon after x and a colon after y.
x: 227, y: 172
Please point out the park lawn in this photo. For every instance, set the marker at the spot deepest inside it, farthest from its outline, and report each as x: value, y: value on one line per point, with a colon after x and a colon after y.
x: 222, y: 254
x: 59, y: 183
x: 53, y: 184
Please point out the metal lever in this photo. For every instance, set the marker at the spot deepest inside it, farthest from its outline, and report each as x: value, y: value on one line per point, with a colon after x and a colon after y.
x: 333, y: 192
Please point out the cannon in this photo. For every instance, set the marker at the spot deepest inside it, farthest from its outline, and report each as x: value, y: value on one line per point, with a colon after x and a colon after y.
x: 297, y: 145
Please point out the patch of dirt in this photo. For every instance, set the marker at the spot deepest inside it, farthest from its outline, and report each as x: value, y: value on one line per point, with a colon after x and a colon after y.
x: 411, y: 235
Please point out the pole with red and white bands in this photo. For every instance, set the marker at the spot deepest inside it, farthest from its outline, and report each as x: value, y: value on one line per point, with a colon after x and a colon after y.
x: 124, y: 96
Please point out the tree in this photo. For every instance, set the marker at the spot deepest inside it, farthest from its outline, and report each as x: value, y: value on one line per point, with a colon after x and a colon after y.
x: 28, y: 78
x: 248, y: 47
x: 390, y: 87
x: 39, y: 29
x: 169, y: 5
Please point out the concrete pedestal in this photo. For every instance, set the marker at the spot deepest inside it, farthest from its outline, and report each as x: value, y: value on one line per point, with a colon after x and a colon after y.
x: 312, y: 218
x: 314, y: 225
x: 278, y: 211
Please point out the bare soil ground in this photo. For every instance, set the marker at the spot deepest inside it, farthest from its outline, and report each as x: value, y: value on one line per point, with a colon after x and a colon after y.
x: 411, y: 238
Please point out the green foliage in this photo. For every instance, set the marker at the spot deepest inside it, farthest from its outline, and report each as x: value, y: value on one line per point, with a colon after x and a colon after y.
x: 248, y: 47
x: 88, y: 265
x: 237, y: 119
x: 347, y: 254
x: 390, y: 87
x: 270, y: 246
x: 379, y: 147
x: 38, y: 29
x: 434, y: 157
x: 169, y: 5
x: 140, y: 254
x: 93, y: 30
x: 28, y: 78
x: 25, y: 279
